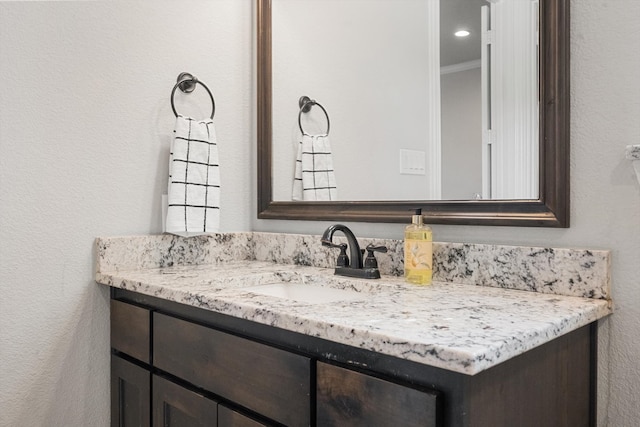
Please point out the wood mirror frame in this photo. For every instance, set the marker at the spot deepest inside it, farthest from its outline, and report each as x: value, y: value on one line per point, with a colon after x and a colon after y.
x: 550, y: 210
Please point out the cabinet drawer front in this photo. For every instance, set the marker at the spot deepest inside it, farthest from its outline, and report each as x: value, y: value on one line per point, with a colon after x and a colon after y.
x: 176, y: 406
x: 130, y: 330
x: 269, y: 381
x: 348, y: 398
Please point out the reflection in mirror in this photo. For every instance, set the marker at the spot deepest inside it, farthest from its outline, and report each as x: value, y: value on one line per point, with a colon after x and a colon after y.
x: 383, y: 110
x: 427, y: 115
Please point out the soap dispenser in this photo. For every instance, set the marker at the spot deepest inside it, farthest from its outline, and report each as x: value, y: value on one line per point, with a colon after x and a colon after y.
x: 418, y: 251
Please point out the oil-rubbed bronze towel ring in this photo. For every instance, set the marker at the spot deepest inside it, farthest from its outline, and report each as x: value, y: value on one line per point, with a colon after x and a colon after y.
x: 187, y: 84
x: 305, y: 103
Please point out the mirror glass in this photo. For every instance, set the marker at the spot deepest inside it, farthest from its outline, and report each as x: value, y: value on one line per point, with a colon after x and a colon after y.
x: 416, y: 112
x: 404, y: 113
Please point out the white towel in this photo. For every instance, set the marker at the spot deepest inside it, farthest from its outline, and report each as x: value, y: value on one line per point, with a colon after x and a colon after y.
x: 314, y: 178
x: 194, y: 179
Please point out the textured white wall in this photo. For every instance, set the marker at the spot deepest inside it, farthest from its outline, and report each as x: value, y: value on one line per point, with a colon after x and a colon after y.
x: 605, y: 195
x: 85, y: 123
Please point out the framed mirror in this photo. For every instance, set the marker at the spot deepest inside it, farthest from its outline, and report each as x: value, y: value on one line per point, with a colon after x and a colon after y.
x: 549, y: 209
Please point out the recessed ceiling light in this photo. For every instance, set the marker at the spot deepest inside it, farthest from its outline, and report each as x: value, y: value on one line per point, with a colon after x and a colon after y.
x: 461, y: 33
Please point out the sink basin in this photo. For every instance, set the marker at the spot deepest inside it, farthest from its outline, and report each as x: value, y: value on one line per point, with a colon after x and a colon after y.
x: 305, y: 293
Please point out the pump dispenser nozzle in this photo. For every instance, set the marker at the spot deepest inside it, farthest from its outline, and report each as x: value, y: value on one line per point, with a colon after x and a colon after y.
x: 416, y: 218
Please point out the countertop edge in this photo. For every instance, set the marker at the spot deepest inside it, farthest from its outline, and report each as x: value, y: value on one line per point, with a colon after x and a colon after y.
x: 468, y: 361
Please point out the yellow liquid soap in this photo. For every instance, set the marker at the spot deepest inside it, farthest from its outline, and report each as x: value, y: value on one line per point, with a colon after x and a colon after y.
x: 418, y: 252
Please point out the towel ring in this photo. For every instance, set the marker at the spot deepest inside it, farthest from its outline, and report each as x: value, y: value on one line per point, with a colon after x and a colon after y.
x: 305, y: 104
x: 187, y: 84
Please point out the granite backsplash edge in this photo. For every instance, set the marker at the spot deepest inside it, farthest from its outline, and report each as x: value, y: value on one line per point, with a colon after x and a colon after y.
x: 560, y: 271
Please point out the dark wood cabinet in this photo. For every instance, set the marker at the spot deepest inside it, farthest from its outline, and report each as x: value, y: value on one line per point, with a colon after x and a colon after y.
x: 130, y: 394
x: 207, y: 369
x: 349, y: 398
x: 131, y: 330
x: 176, y: 406
x: 272, y: 382
x: 230, y: 418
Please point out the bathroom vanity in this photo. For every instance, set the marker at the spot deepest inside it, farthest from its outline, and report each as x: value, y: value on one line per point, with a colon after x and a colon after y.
x: 201, y: 329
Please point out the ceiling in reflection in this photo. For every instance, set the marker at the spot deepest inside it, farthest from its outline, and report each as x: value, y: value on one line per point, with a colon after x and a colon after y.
x: 460, y: 15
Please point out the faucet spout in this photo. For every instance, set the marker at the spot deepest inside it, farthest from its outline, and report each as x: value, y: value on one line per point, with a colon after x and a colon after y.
x: 355, y: 254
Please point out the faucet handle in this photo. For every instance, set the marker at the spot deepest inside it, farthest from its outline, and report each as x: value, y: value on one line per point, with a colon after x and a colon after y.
x: 370, y: 261
x: 343, y: 259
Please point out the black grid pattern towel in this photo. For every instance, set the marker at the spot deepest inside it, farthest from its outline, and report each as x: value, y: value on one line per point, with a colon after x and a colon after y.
x: 314, y: 178
x: 194, y: 179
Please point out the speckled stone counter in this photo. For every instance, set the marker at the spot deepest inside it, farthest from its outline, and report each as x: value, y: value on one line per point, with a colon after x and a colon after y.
x: 526, y: 297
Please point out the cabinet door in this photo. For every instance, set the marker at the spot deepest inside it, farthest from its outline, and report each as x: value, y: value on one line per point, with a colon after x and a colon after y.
x: 230, y: 418
x: 175, y: 406
x: 348, y: 398
x: 130, y: 391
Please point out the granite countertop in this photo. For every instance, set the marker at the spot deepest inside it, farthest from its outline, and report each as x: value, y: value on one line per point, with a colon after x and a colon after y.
x: 455, y: 326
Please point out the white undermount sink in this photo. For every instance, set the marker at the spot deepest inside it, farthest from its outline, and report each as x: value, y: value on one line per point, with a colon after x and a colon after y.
x: 305, y: 293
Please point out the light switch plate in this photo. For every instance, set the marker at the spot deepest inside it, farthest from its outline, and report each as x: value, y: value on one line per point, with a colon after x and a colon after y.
x: 412, y: 162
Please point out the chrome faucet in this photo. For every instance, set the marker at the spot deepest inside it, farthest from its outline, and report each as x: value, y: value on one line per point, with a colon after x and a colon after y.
x: 352, y: 265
